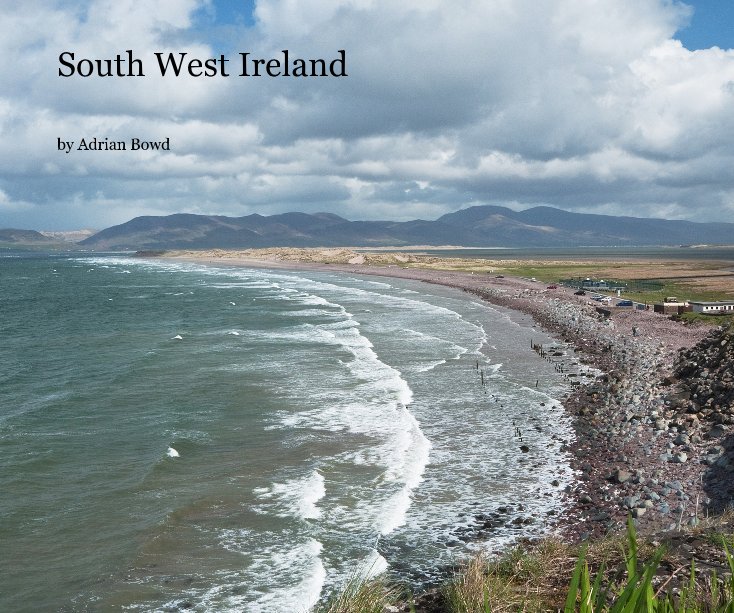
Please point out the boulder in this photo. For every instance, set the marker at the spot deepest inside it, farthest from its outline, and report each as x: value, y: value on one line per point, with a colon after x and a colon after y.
x: 621, y: 476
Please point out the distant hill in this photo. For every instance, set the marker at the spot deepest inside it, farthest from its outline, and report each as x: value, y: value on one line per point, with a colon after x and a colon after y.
x: 28, y: 239
x: 478, y: 226
x: 545, y: 226
x: 11, y: 235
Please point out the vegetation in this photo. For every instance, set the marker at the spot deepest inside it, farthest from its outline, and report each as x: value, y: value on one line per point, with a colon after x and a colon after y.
x: 712, y: 320
x: 359, y: 595
x: 552, y: 273
x: 684, y: 291
x: 637, y: 591
x: 617, y: 574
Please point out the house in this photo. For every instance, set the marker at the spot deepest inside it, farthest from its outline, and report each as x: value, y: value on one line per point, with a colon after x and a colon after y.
x: 672, y: 307
x: 719, y: 307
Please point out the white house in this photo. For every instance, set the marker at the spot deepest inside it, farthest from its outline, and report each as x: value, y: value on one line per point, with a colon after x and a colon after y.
x: 712, y: 308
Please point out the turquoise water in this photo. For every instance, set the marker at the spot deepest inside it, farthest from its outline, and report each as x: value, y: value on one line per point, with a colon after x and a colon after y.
x: 217, y: 439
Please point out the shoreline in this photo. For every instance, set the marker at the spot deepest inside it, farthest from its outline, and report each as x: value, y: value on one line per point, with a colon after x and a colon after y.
x: 634, y: 451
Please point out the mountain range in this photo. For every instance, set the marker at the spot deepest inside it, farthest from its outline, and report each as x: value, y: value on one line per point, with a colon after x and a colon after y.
x: 477, y: 226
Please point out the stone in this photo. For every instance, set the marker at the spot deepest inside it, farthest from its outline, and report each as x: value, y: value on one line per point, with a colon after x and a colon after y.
x: 630, y: 501
x: 717, y: 431
x: 680, y: 458
x: 621, y: 476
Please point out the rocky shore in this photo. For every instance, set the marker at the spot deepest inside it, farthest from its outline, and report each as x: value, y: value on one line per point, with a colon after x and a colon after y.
x: 651, y: 426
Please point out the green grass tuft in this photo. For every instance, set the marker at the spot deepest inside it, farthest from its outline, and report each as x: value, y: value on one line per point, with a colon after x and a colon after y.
x: 361, y: 595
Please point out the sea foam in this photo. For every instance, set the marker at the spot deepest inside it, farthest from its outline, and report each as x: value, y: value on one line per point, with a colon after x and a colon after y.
x: 292, y: 576
x: 296, y: 497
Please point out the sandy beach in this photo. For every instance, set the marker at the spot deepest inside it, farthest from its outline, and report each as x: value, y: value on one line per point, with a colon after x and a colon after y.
x: 643, y: 446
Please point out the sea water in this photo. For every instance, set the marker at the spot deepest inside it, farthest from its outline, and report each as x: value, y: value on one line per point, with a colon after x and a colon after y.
x: 177, y: 436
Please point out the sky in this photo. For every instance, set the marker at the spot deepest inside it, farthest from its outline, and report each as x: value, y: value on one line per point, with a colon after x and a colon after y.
x: 622, y: 107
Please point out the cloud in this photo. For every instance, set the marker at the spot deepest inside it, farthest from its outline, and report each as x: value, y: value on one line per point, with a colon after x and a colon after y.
x: 585, y: 106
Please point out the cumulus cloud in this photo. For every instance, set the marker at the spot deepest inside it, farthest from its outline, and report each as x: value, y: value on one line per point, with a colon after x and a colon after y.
x: 589, y: 106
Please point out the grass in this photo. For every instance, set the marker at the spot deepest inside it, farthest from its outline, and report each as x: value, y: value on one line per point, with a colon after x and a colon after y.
x: 636, y: 593
x: 520, y: 581
x: 551, y: 577
x: 615, y: 574
x: 361, y: 596
x: 683, y: 291
x: 712, y: 320
x: 551, y: 273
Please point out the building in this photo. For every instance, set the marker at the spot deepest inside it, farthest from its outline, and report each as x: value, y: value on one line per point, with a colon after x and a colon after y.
x: 712, y: 308
x: 671, y: 308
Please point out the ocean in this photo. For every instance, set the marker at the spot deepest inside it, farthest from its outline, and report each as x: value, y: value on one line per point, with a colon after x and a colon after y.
x: 178, y: 436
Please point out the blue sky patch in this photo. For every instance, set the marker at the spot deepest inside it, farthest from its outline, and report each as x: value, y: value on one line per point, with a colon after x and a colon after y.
x: 711, y: 25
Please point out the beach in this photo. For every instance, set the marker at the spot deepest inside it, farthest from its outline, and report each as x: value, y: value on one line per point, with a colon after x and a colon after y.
x: 641, y: 448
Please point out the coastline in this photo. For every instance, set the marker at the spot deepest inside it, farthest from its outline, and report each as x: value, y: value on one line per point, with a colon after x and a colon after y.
x: 635, y: 451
